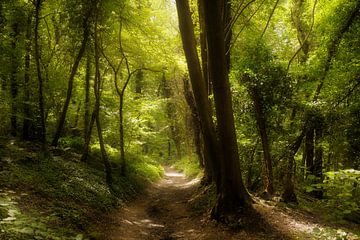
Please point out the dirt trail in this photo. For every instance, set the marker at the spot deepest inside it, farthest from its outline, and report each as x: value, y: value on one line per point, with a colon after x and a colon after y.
x: 163, y: 214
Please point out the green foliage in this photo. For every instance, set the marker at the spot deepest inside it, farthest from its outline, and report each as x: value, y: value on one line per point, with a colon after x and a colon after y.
x: 341, y: 192
x: 61, y: 195
x: 73, y: 143
x: 189, y: 166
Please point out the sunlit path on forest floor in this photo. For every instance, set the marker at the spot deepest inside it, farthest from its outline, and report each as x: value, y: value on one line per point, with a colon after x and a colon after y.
x: 163, y: 213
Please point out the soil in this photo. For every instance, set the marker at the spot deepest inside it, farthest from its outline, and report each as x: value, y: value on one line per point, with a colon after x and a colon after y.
x: 163, y: 213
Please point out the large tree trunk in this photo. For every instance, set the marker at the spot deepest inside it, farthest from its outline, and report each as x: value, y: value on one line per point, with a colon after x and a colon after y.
x: 71, y: 81
x: 199, y: 88
x: 232, y: 193
x: 39, y: 74
x: 27, y: 105
x: 201, y: 152
x: 261, y: 123
x: 203, y: 47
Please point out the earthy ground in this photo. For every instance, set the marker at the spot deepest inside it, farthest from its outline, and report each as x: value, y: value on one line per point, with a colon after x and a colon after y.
x: 163, y: 213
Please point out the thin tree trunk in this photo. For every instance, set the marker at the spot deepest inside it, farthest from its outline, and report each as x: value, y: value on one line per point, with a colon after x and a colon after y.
x: 27, y: 106
x: 13, y: 78
x: 261, y: 123
x: 97, y: 85
x: 309, y: 151
x: 233, y: 194
x: 39, y: 74
x: 87, y: 97
x: 121, y: 136
x: 71, y: 82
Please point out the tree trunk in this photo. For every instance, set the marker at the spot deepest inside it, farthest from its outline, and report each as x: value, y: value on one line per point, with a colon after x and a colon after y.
x: 195, y: 123
x: 261, y: 124
x: 13, y: 78
x: 233, y: 195
x: 71, y: 82
x: 309, y: 151
x: 27, y: 105
x: 203, y: 47
x: 289, y: 186
x: 39, y: 74
x: 121, y: 135
x: 87, y: 97
x: 199, y: 88
x: 318, y: 161
x: 97, y: 85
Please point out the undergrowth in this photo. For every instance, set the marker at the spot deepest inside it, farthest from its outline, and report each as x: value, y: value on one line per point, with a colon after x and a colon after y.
x: 59, y: 197
x: 190, y: 167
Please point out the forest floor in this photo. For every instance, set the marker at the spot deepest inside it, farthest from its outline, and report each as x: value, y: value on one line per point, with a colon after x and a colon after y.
x: 163, y: 213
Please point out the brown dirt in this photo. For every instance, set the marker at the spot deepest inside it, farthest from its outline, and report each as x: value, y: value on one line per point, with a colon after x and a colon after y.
x: 163, y: 213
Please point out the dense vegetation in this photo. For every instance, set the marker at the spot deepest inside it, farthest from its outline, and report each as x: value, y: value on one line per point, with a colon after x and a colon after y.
x: 257, y: 97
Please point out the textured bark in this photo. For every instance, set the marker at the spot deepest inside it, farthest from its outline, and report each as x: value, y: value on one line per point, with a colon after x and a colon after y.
x: 232, y: 192
x: 199, y: 87
x: 38, y: 4
x: 74, y: 68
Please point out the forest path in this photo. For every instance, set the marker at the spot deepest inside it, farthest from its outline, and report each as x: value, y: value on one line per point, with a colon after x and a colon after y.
x: 163, y: 214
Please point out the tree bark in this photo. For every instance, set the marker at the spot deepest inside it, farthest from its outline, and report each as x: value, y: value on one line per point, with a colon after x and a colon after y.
x: 38, y: 5
x: 97, y: 86
x: 203, y: 47
x: 233, y: 194
x: 14, y: 79
x: 27, y: 59
x: 71, y: 80
x: 201, y: 151
x: 261, y: 123
x: 87, y: 97
x: 199, y: 88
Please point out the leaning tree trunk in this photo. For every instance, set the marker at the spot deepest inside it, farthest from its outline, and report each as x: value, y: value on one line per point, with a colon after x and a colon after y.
x: 232, y: 195
x: 199, y: 88
x: 39, y: 74
x: 71, y: 81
